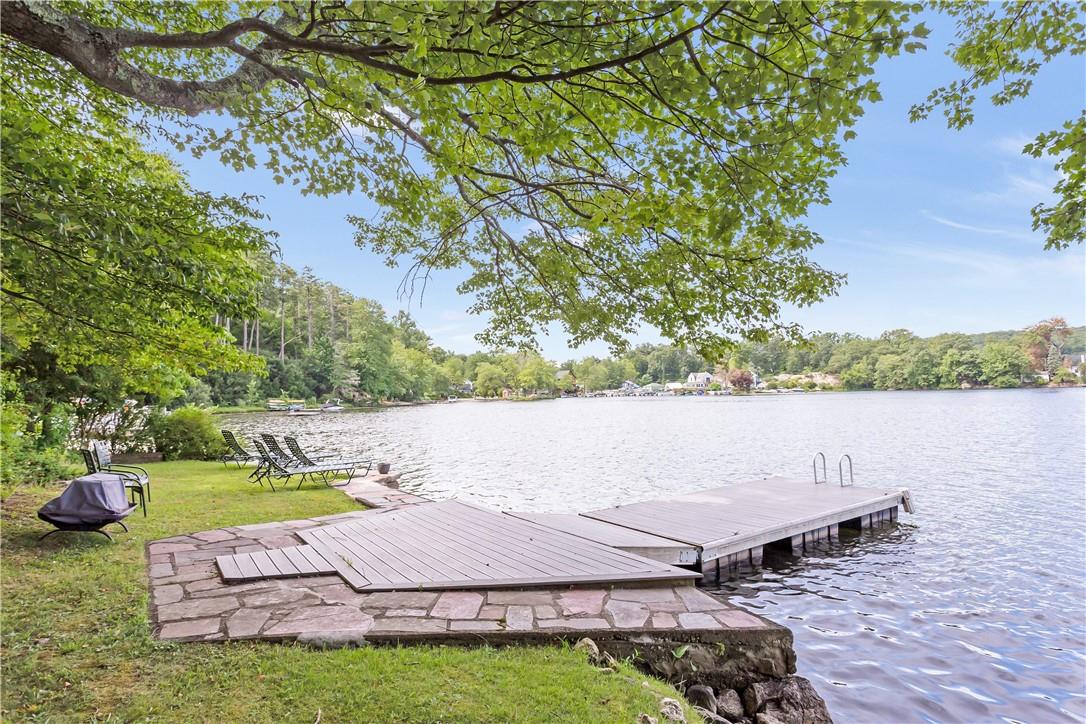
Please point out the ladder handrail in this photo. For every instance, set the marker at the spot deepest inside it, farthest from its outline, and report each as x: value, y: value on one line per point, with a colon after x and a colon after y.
x: 841, y: 470
x: 814, y: 466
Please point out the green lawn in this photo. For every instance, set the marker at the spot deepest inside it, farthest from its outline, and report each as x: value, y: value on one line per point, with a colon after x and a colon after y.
x: 77, y: 645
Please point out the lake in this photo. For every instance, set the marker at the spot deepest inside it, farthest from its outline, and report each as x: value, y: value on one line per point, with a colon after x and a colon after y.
x: 974, y: 609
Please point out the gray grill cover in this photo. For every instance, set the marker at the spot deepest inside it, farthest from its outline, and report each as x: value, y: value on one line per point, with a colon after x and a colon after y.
x: 97, y: 498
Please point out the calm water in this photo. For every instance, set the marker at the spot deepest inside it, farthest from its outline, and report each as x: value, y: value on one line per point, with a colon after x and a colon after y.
x: 974, y: 609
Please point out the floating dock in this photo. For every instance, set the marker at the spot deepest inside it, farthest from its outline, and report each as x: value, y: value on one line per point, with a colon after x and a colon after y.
x: 730, y: 525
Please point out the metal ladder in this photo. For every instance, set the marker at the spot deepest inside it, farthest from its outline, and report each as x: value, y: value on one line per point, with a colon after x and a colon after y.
x: 840, y: 469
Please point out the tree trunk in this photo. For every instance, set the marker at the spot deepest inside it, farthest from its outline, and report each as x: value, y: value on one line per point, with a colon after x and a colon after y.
x: 256, y: 334
x: 308, y: 317
x: 245, y: 335
x: 282, y: 328
x: 331, y: 315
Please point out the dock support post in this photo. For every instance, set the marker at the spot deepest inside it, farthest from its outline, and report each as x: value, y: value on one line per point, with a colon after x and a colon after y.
x: 893, y: 514
x: 797, y: 545
x: 833, y: 531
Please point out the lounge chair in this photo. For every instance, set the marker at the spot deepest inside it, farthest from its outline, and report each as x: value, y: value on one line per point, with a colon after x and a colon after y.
x: 277, y: 452
x: 235, y: 452
x: 131, y: 481
x: 273, y: 468
x: 308, y: 459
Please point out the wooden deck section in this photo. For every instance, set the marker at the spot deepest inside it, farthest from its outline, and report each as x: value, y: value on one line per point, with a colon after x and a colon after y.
x: 651, y: 546
x: 279, y: 563
x: 737, y: 519
x: 454, y: 545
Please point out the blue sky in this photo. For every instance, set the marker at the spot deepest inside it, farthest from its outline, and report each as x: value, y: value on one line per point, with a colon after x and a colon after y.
x: 932, y: 226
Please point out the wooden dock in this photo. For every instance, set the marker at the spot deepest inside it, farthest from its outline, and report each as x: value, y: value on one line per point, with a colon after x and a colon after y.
x: 644, y: 544
x: 730, y: 525
x: 448, y: 545
x: 456, y: 545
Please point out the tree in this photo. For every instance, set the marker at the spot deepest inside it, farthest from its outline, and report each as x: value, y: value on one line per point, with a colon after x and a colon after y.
x: 657, y: 157
x: 1054, y: 362
x: 1003, y: 363
x: 490, y: 379
x: 109, y: 254
x: 1007, y: 44
x: 741, y: 380
x: 959, y: 367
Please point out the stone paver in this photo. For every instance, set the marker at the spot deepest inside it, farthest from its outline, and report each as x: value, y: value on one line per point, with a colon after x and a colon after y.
x: 409, y: 625
x: 580, y: 624
x: 310, y: 620
x: 626, y: 614
x: 581, y: 601
x: 190, y: 601
x: 697, y: 620
x: 519, y: 618
x: 520, y: 597
x: 156, y: 548
x: 197, y: 608
x: 213, y: 536
x: 492, y: 612
x: 457, y: 604
x: 545, y: 612
x: 187, y: 629
x: 400, y: 599
x: 161, y: 570
x: 696, y: 600
x: 246, y: 622
x: 171, y: 593
x: 273, y: 598
x: 738, y: 619
x: 644, y: 595
x: 474, y: 626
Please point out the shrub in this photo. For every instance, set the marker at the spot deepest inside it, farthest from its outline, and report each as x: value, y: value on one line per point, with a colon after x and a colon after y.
x: 22, y: 460
x: 186, y: 434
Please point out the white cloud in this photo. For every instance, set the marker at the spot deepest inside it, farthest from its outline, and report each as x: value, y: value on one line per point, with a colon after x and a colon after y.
x: 1011, y: 233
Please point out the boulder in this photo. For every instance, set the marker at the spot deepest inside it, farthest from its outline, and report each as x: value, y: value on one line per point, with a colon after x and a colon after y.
x: 710, y: 716
x: 672, y: 710
x: 729, y: 705
x: 702, y: 696
x: 644, y: 718
x: 588, y: 646
x: 792, y: 700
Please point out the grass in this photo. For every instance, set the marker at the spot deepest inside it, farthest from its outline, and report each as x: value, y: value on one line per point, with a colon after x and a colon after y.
x: 77, y: 644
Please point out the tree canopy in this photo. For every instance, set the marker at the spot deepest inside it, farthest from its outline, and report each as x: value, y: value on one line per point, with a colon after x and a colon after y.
x: 110, y: 257
x: 598, y: 165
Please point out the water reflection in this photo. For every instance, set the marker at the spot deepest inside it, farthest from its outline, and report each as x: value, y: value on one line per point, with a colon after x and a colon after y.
x: 971, y: 610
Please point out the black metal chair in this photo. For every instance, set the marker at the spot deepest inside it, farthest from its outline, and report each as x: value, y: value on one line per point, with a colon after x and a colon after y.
x: 235, y: 452
x: 276, y: 468
x: 137, y: 487
x: 311, y: 460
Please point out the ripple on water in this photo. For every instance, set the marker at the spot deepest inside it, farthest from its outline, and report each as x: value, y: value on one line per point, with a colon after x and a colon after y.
x: 971, y: 610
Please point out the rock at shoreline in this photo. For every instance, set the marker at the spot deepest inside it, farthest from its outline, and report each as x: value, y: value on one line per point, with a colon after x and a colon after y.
x: 729, y: 705
x: 702, y: 696
x: 672, y: 710
x: 792, y: 700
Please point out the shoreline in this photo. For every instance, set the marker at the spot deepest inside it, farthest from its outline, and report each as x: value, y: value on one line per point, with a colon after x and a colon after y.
x: 759, y: 393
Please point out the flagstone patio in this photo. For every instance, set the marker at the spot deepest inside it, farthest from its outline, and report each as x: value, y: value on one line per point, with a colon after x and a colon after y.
x: 190, y: 602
